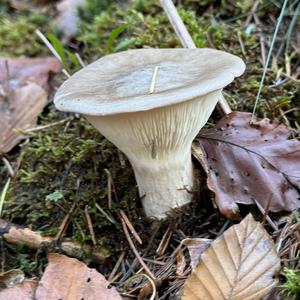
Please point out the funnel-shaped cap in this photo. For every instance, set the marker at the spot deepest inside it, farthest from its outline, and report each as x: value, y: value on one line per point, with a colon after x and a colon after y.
x: 119, y: 83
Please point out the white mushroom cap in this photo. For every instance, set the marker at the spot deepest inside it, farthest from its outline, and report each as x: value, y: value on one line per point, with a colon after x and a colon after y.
x: 155, y: 130
x: 119, y: 83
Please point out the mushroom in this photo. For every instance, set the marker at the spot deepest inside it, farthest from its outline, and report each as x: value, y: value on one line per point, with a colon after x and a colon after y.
x: 154, y: 128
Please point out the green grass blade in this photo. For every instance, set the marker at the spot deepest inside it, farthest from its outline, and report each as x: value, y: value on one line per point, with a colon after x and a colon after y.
x: 113, y: 36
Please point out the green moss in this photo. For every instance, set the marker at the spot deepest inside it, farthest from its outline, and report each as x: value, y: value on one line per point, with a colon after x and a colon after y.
x: 17, y: 34
x: 292, y: 285
x: 69, y: 160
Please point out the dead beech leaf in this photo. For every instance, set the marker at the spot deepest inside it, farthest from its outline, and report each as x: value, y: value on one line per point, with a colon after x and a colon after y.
x: 246, y: 162
x: 23, y: 86
x: 68, y: 279
x: 196, y: 247
x: 238, y: 265
x: 18, y: 72
x: 180, y: 263
x: 22, y: 291
x: 10, y: 278
x: 20, y: 113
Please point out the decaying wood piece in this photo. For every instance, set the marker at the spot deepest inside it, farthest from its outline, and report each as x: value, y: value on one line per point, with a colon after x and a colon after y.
x: 34, y: 240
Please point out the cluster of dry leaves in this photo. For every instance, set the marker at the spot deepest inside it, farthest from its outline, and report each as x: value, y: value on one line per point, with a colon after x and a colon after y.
x: 240, y: 264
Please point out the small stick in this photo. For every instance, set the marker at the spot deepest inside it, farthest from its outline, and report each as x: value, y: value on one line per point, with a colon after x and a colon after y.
x: 262, y: 42
x: 252, y: 12
x: 269, y: 220
x: 46, y: 126
x: 153, y: 80
x: 121, y: 159
x: 90, y: 225
x: 65, y: 223
x: 8, y: 166
x: 17, y: 235
x: 177, y: 24
x: 130, y: 227
x: 186, y: 39
x: 164, y: 242
x: 106, y: 215
x: 51, y: 48
x: 116, y: 267
x: 3, y: 195
x: 80, y: 60
x: 132, y: 246
x: 109, y: 183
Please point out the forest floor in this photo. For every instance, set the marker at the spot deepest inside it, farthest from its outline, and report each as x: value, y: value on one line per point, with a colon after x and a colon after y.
x: 71, y: 163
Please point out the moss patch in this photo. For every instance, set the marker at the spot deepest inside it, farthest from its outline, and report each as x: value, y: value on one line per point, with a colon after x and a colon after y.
x: 17, y: 34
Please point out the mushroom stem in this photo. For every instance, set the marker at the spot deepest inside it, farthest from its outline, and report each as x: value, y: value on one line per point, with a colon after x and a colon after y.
x: 166, y: 185
x: 158, y: 144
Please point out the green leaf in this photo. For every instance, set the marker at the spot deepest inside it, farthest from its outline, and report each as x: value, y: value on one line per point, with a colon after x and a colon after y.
x: 73, y: 58
x: 124, y: 44
x: 55, y: 196
x: 113, y: 36
x: 57, y: 46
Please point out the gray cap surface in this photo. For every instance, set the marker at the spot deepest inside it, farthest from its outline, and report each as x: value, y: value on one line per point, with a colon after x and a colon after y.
x: 120, y: 82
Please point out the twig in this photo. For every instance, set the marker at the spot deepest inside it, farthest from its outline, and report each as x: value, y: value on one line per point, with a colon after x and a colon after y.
x: 3, y: 194
x: 130, y: 227
x: 17, y: 235
x: 106, y: 215
x: 144, y: 292
x: 262, y: 210
x: 116, y: 267
x: 153, y: 80
x: 253, y: 10
x: 109, y: 183
x: 177, y: 24
x: 64, y: 224
x: 186, y: 39
x: 164, y: 241
x: 51, y: 48
x: 90, y: 224
x: 80, y: 60
x: 261, y: 41
x: 136, y: 253
x: 8, y: 166
x: 46, y: 126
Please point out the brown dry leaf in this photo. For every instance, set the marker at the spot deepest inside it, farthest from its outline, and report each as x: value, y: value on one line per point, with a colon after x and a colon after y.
x: 18, y: 72
x: 23, y: 86
x: 238, y: 265
x: 180, y: 263
x: 68, y: 278
x: 196, y: 247
x: 247, y: 162
x: 22, y: 291
x: 11, y: 278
